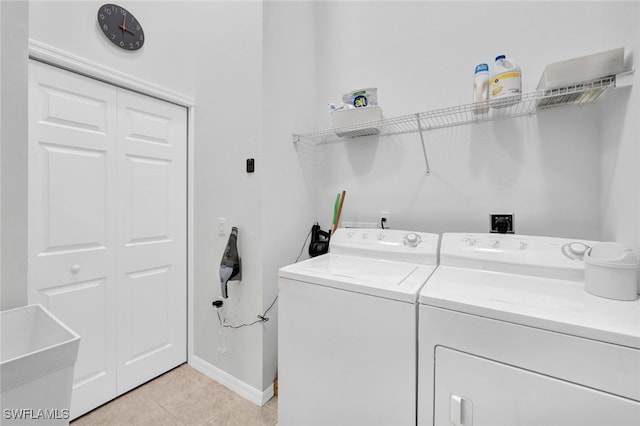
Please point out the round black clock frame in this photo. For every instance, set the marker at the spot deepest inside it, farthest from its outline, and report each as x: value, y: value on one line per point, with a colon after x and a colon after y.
x: 120, y: 27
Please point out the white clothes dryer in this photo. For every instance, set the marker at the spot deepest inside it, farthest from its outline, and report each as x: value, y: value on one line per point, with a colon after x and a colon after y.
x: 509, y: 336
x: 347, y: 330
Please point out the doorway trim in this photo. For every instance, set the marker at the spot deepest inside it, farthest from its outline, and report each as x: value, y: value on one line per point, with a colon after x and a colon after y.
x: 59, y: 58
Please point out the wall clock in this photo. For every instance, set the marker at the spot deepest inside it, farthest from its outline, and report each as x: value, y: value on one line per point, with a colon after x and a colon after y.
x: 120, y: 27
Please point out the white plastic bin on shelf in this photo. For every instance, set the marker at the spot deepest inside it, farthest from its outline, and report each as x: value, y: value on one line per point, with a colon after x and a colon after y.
x: 37, y: 357
x: 357, y: 121
x: 610, y: 270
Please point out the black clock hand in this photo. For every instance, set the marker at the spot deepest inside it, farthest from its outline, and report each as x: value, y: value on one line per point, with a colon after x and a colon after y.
x: 124, y: 28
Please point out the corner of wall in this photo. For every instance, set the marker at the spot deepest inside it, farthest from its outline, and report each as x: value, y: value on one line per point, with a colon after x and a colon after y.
x: 13, y: 133
x: 619, y: 136
x: 289, y: 75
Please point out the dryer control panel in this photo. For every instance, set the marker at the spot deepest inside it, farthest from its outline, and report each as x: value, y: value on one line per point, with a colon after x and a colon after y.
x: 389, y: 244
x: 522, y: 254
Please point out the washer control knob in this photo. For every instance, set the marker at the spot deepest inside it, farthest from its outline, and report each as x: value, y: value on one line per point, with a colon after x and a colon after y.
x: 381, y: 236
x: 412, y: 239
x: 365, y: 235
x: 494, y: 243
x: 578, y: 248
x: 350, y: 234
x: 575, y: 250
x: 471, y: 241
x: 523, y: 245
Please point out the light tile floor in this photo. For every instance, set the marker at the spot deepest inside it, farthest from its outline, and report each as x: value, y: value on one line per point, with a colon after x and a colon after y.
x: 182, y: 396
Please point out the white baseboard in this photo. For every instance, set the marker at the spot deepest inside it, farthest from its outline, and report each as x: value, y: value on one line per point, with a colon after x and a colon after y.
x: 241, y: 388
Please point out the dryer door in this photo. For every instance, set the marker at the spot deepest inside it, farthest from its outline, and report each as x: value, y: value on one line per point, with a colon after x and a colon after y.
x: 474, y: 391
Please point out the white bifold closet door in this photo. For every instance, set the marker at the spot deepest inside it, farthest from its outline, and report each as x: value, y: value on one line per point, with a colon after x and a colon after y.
x: 107, y: 227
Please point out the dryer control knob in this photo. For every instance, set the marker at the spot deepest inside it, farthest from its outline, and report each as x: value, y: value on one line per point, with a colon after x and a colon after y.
x: 575, y: 250
x: 578, y: 248
x: 365, y: 235
x: 471, y: 241
x: 523, y: 245
x: 412, y: 239
x: 494, y: 243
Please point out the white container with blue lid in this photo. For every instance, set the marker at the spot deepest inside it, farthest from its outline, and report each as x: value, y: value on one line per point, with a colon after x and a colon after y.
x: 506, y: 82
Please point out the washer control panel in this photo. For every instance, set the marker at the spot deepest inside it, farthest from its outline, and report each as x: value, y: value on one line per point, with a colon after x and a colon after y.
x: 391, y: 244
x: 530, y: 255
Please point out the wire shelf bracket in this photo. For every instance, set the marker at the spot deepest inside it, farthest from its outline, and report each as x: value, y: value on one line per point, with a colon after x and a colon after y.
x: 424, y: 149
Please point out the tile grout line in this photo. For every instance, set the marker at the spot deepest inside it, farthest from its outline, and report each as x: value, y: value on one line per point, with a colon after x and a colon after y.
x: 178, y: 421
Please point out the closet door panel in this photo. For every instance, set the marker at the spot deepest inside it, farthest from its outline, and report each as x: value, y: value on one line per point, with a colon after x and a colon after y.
x: 72, y: 215
x: 152, y: 240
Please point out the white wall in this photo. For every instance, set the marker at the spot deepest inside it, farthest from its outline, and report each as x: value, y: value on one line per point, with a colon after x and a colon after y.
x: 289, y: 89
x: 229, y: 122
x: 166, y: 58
x: 620, y: 135
x: 13, y: 136
x: 421, y: 56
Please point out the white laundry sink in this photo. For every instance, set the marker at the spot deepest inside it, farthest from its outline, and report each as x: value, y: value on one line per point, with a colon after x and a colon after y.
x: 37, y: 357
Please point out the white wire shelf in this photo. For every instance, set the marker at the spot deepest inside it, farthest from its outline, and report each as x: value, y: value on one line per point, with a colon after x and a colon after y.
x: 578, y: 93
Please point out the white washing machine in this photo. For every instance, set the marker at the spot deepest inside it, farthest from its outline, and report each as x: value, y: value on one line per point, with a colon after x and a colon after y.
x: 347, y: 330
x: 508, y: 336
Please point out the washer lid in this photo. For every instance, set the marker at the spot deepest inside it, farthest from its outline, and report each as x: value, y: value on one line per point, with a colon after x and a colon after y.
x: 557, y: 305
x: 384, y: 278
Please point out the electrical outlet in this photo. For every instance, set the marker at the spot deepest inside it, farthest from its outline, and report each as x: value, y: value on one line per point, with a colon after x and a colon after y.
x: 501, y: 223
x: 221, y: 222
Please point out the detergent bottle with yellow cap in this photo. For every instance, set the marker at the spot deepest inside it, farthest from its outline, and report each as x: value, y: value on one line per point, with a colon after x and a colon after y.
x: 505, y: 86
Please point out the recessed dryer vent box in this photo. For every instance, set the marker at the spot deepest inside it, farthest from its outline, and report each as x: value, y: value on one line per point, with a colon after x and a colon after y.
x: 353, y: 122
x: 501, y: 223
x: 584, y: 68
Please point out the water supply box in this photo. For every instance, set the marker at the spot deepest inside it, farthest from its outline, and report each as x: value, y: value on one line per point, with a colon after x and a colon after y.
x: 357, y: 121
x: 584, y: 68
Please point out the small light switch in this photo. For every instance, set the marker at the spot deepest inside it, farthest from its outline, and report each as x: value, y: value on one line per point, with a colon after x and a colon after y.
x: 250, y: 165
